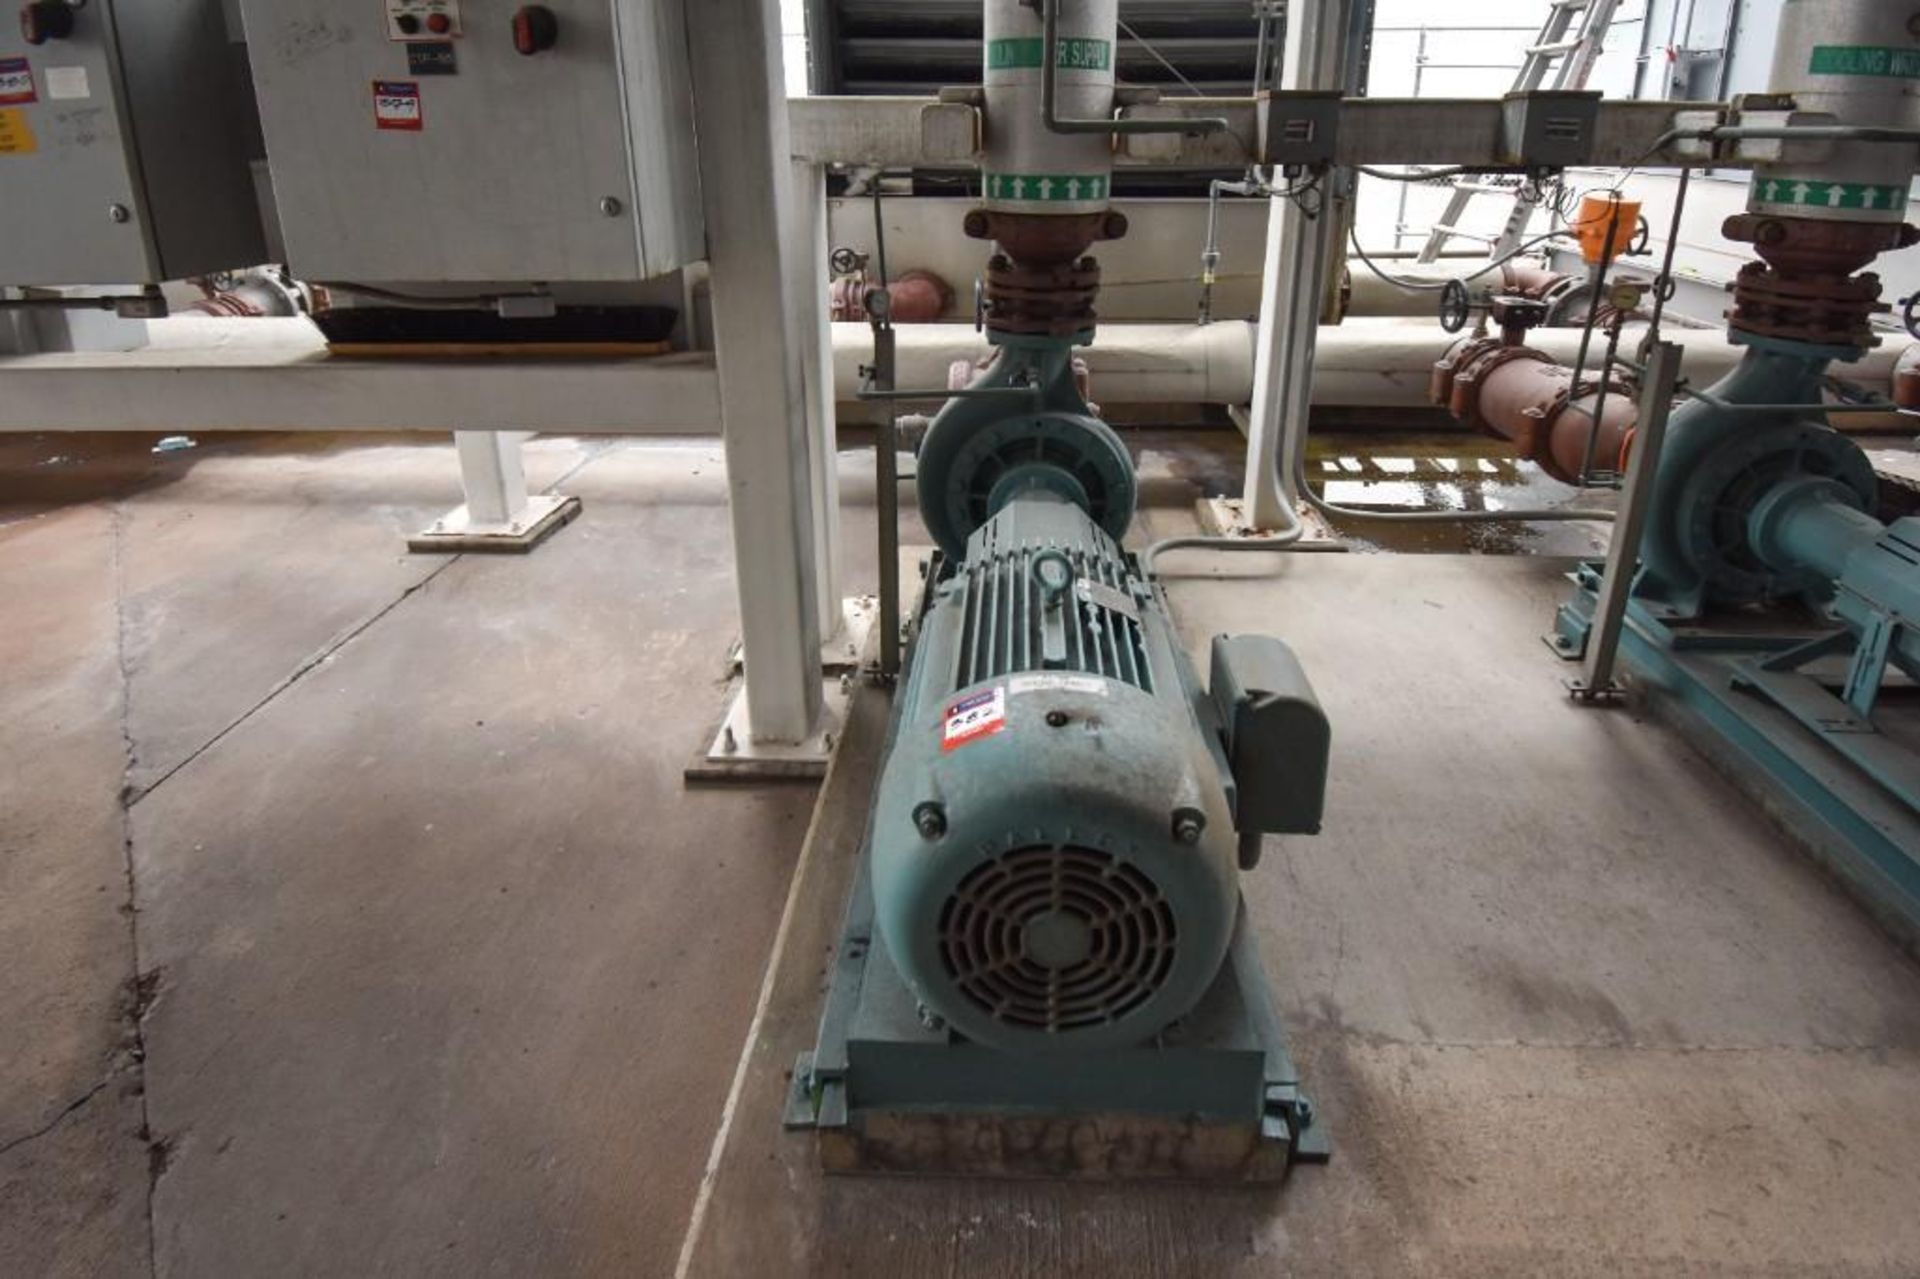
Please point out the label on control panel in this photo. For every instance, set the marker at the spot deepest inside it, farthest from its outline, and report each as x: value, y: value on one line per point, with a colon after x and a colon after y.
x: 972, y: 718
x: 16, y: 83
x: 423, y: 19
x: 16, y: 135
x: 436, y: 57
x: 396, y: 105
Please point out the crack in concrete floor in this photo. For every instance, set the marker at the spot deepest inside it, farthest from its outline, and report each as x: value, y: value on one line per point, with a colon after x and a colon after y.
x: 144, y: 985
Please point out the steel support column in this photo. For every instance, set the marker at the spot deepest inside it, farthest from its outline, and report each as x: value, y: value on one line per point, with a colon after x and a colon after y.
x: 492, y: 474
x: 1293, y: 285
x: 499, y: 514
x: 813, y: 329
x: 740, y: 106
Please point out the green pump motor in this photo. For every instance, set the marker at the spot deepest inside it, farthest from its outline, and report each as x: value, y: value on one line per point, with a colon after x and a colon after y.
x: 1046, y: 966
x: 1054, y: 851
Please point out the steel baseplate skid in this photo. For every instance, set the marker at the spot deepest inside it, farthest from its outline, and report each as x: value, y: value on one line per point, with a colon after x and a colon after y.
x: 1764, y: 690
x: 1216, y: 1099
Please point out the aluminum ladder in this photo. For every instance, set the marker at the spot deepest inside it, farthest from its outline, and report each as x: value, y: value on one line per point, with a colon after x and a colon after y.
x: 1560, y: 58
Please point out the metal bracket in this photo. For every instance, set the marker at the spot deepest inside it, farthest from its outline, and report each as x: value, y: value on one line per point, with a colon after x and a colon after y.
x: 1549, y: 128
x: 1866, y: 669
x: 1300, y: 127
x: 1596, y: 684
x: 1289, y: 1118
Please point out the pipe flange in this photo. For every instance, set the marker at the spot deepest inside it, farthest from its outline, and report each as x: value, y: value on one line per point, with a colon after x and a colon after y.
x: 1459, y: 377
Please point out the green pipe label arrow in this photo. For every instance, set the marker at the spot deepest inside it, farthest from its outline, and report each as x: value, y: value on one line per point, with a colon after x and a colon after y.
x: 1067, y: 188
x: 1828, y: 195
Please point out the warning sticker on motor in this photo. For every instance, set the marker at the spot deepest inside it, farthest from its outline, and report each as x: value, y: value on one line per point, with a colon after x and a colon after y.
x: 16, y: 83
x: 972, y: 718
x: 396, y: 105
x: 1093, y: 684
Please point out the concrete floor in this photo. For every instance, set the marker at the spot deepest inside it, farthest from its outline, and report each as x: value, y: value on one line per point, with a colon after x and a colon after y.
x: 353, y: 915
x: 354, y: 918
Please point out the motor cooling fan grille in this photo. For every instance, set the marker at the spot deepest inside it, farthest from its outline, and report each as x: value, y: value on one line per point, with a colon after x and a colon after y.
x: 1057, y: 938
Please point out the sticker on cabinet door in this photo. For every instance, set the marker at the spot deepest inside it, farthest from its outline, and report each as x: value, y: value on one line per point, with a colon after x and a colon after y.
x: 396, y: 105
x: 68, y: 83
x: 16, y: 135
x: 16, y: 83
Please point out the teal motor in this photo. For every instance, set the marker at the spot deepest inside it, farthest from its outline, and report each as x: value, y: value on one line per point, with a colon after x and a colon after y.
x: 1057, y: 833
x: 1046, y: 966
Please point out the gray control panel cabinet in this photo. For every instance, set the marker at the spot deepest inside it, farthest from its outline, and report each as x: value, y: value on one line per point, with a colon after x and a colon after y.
x: 415, y: 141
x: 125, y: 147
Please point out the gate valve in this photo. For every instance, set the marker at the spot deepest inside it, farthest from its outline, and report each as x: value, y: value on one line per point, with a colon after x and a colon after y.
x: 46, y: 20
x: 535, y: 30
x: 1516, y: 315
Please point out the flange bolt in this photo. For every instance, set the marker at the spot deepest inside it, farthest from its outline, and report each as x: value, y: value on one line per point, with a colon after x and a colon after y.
x: 1188, y: 825
x: 930, y: 820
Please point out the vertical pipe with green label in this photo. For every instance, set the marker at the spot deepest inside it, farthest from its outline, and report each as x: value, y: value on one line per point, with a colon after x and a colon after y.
x: 1858, y: 60
x: 1029, y: 168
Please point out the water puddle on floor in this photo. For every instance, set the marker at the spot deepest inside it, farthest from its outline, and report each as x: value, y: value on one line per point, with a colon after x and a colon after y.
x: 1393, y: 472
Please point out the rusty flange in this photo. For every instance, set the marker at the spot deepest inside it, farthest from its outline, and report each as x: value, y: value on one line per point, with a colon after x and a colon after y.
x: 1805, y: 289
x: 919, y: 297
x: 1054, y: 301
x: 1039, y: 282
x: 1040, y: 239
x: 1522, y: 395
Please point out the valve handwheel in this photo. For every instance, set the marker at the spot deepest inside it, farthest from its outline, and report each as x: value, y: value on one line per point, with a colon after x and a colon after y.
x: 46, y: 20
x: 1456, y: 305
x: 1908, y: 320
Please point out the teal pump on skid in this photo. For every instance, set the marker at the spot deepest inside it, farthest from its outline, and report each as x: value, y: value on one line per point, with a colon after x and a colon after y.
x: 1046, y: 967
x: 1765, y: 582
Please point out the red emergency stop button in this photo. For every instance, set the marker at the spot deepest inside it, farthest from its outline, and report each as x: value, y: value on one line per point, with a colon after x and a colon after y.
x: 535, y: 30
x: 439, y: 23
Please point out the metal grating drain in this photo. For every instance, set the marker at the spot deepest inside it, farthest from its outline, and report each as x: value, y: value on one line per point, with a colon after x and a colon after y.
x: 1057, y: 938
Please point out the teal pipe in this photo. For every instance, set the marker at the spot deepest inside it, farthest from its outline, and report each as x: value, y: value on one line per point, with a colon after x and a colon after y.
x: 1812, y: 523
x: 1874, y: 567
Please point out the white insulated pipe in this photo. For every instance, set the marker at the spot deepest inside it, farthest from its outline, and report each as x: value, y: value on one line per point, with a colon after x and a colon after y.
x: 1856, y: 60
x: 1385, y: 363
x: 1029, y: 168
